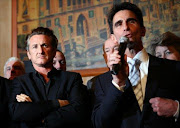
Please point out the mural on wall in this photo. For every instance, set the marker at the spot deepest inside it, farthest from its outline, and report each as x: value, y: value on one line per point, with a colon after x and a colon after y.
x: 81, y: 25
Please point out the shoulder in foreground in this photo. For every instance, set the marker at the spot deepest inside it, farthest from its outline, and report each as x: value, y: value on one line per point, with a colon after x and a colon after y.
x: 2, y: 78
x: 4, y: 81
x: 162, y: 60
x: 165, y: 63
x: 68, y: 72
x: 104, y: 75
x: 60, y: 73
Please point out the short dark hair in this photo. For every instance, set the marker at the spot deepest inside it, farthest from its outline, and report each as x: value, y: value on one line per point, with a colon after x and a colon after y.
x: 124, y: 6
x: 42, y: 31
x: 57, y: 50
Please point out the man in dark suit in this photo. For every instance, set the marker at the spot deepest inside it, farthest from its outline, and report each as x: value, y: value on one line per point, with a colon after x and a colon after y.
x: 108, y: 47
x: 116, y: 104
x: 47, y: 97
x: 4, y: 97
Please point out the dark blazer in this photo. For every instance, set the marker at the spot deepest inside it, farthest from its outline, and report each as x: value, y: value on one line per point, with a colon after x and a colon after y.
x: 44, y: 110
x: 114, y: 108
x: 4, y: 96
x: 90, y: 89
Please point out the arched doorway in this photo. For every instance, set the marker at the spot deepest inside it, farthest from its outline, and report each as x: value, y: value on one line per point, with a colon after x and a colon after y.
x: 81, y: 23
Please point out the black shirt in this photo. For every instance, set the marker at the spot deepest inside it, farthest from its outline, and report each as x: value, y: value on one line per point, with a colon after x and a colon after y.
x: 44, y: 110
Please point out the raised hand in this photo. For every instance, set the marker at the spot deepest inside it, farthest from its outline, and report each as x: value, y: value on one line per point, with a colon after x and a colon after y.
x: 164, y: 107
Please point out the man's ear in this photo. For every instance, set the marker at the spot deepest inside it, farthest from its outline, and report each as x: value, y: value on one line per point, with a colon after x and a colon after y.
x: 29, y: 55
x: 105, y: 57
x: 112, y: 36
x: 143, y: 31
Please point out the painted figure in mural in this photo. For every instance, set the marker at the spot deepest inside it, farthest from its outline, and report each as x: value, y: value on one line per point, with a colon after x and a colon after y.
x: 13, y: 67
x: 25, y: 8
x: 166, y: 46
x: 85, y: 30
x: 141, y: 95
x: 48, y: 97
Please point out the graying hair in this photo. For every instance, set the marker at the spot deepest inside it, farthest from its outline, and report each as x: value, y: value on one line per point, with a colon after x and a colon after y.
x: 166, y: 39
x: 16, y: 60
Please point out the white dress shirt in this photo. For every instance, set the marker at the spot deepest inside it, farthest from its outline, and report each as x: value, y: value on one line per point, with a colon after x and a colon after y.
x: 144, y: 58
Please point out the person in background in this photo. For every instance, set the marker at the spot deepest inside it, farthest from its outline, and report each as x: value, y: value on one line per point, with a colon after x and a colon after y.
x: 166, y: 46
x: 13, y: 67
x: 47, y: 97
x: 59, y: 61
x: 151, y: 99
x: 108, y: 47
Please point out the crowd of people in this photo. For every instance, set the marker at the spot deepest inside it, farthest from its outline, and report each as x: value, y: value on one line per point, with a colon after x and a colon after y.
x: 143, y: 94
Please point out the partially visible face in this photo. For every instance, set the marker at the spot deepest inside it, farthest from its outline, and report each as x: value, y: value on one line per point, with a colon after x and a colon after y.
x: 109, y: 47
x: 41, y: 52
x: 167, y: 53
x: 13, y: 69
x: 59, y: 61
x: 125, y: 23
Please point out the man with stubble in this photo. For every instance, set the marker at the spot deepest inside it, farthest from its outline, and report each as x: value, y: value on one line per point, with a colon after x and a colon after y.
x: 47, y: 97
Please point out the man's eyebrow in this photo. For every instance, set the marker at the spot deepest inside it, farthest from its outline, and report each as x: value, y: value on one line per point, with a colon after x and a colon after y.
x: 129, y: 19
x: 8, y: 67
x: 107, y: 48
x: 119, y: 21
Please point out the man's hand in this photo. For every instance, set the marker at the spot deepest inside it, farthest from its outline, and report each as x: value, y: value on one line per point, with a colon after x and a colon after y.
x: 164, y: 107
x: 63, y: 102
x: 23, y: 98
x: 123, y: 73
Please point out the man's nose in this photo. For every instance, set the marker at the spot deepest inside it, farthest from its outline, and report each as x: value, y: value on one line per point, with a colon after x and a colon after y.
x: 59, y: 65
x: 40, y: 49
x: 125, y: 26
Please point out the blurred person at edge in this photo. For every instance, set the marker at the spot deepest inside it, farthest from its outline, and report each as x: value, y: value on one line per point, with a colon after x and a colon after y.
x: 5, y: 120
x: 13, y: 67
x: 165, y: 46
x: 59, y: 61
x: 109, y: 47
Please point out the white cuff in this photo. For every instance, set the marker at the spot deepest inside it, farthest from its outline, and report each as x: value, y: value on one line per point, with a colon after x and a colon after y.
x: 176, y: 115
x: 121, y: 88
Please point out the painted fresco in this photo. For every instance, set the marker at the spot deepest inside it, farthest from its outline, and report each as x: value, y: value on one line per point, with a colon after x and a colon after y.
x: 81, y: 25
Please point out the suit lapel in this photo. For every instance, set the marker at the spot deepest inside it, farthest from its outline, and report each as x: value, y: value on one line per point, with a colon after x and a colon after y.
x: 38, y: 90
x: 109, y: 78
x: 58, y: 86
x: 152, y: 83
